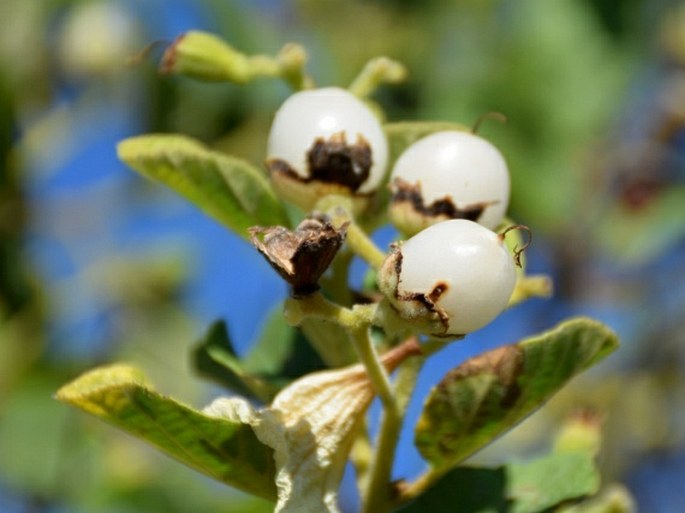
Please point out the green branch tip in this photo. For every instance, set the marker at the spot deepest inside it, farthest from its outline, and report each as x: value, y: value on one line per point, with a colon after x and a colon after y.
x: 377, y: 71
x: 207, y: 57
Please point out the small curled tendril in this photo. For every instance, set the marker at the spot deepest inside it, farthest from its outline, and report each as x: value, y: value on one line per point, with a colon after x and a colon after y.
x: 518, y: 251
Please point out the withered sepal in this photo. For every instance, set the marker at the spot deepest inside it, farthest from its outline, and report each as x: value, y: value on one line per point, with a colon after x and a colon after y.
x: 302, y: 255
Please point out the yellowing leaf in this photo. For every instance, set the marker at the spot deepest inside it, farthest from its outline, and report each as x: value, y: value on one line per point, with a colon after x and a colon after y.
x: 226, y: 449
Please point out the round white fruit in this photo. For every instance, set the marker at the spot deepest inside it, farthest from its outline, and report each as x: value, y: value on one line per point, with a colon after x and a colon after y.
x: 307, y: 116
x: 457, y: 269
x: 459, y: 167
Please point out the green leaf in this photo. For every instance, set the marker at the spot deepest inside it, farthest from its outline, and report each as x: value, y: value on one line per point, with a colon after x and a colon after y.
x: 613, y: 499
x: 330, y: 341
x: 282, y: 352
x: 485, y: 396
x: 464, y: 490
x: 228, y: 189
x: 226, y: 450
x: 281, y: 355
x: 540, y: 484
x: 215, y: 358
x: 530, y: 487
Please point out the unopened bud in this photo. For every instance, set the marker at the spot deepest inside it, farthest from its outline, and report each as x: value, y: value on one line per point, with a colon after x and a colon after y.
x: 206, y: 57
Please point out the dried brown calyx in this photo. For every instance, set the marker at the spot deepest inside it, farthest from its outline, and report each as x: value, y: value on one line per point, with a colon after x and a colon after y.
x: 332, y: 161
x: 302, y: 255
x: 405, y: 192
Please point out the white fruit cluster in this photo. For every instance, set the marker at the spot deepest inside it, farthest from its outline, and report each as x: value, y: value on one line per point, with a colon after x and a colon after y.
x: 450, y: 189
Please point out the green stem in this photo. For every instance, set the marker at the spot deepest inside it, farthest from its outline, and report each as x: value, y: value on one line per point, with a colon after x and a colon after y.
x: 312, y: 312
x: 361, y: 339
x: 362, y: 245
x: 339, y: 209
x: 318, y: 307
x: 376, y: 72
x: 336, y: 284
x: 379, y: 494
x: 288, y: 65
x: 291, y: 60
x: 263, y: 66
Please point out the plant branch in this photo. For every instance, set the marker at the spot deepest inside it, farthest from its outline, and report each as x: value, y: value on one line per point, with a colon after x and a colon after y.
x: 363, y: 344
x: 376, y: 72
x: 288, y: 65
x: 338, y: 209
x: 292, y: 59
x: 363, y: 246
x: 379, y: 493
x: 318, y: 307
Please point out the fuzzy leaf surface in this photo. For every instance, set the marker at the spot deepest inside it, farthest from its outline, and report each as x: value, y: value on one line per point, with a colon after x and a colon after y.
x: 485, y: 396
x: 231, y: 190
x: 227, y: 450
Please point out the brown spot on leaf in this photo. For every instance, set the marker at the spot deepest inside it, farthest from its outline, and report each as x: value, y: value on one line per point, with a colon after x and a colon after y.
x: 303, y: 255
x: 405, y: 192
x: 504, y: 362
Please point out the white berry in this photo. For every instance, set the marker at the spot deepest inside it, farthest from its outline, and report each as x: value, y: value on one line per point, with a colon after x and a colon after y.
x: 456, y: 269
x: 454, y: 175
x: 322, y: 114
